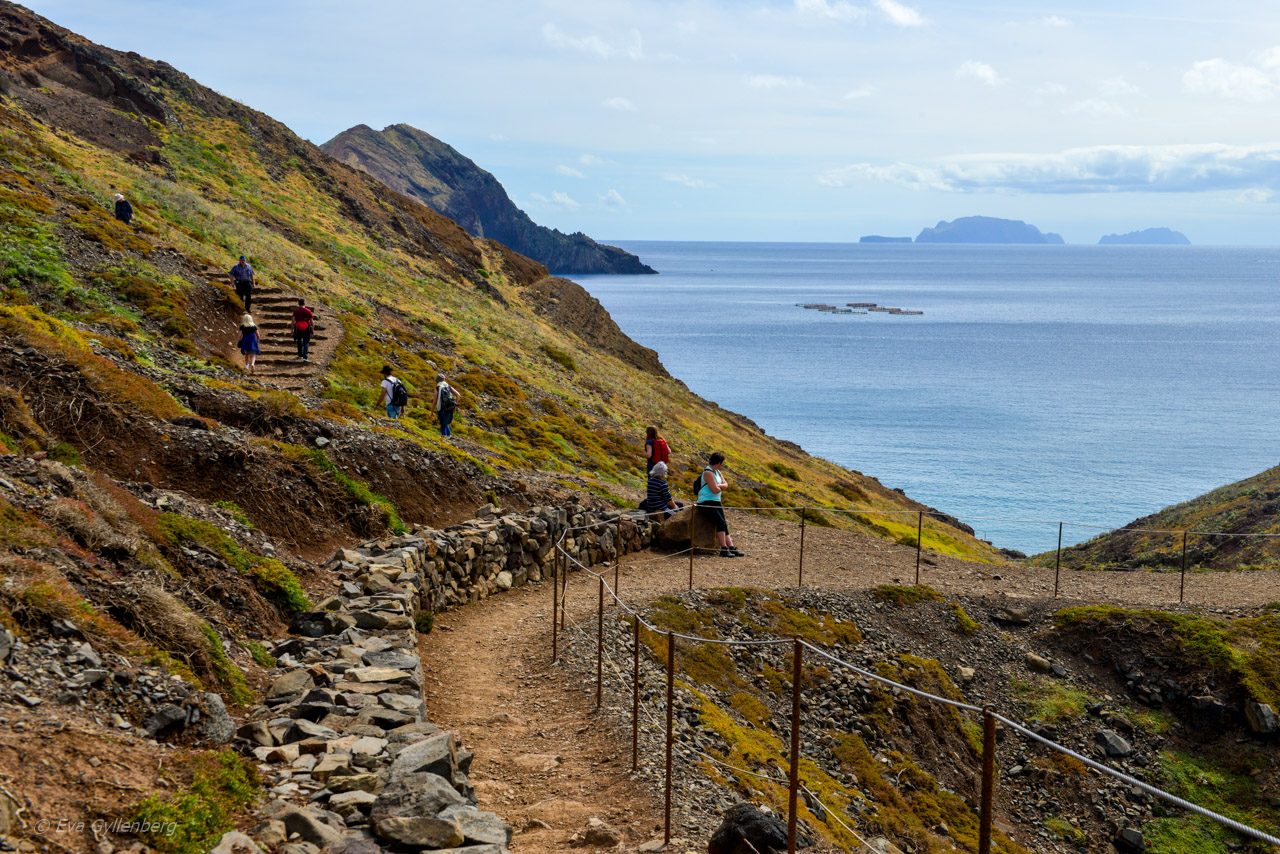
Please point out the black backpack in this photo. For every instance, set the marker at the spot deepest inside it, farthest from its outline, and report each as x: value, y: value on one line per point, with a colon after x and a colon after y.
x: 448, y: 399
x: 399, y: 394
x: 697, y: 483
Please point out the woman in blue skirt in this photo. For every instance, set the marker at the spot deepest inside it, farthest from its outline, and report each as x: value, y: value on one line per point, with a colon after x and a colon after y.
x: 249, y: 342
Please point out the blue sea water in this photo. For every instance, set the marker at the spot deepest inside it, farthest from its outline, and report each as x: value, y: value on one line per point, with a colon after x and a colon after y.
x: 1084, y: 384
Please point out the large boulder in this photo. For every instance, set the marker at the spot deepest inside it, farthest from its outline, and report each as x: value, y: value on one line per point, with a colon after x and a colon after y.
x: 746, y: 829
x: 674, y: 532
x: 415, y: 795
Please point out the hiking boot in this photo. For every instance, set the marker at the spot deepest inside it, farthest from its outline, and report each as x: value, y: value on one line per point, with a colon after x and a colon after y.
x: 729, y: 553
x: 737, y: 553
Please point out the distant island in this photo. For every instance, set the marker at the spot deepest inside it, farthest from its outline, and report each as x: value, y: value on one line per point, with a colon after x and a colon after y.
x: 1146, y: 237
x: 879, y: 238
x: 986, y: 229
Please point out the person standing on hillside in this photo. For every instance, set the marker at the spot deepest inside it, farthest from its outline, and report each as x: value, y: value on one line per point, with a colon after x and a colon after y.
x: 711, y: 496
x: 249, y: 342
x: 393, y: 394
x: 656, y: 449
x: 243, y: 279
x: 124, y: 210
x: 304, y: 320
x: 446, y: 404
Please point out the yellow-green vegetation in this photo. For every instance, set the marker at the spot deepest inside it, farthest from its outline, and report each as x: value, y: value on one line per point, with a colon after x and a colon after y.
x: 902, y: 595
x: 1065, y: 830
x: 228, y: 673
x: 275, y: 579
x: 1244, y: 651
x: 359, y: 491
x: 1049, y: 700
x: 1154, y: 721
x: 259, y: 654
x: 965, y: 624
x: 534, y: 394
x: 191, y: 820
x: 1231, y: 790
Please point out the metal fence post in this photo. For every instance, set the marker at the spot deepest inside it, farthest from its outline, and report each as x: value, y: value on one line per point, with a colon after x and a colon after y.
x: 671, y: 681
x: 635, y: 693
x: 600, y: 647
x: 919, y: 542
x: 693, y: 509
x: 1182, y: 582
x: 793, y: 781
x: 555, y: 605
x: 800, y: 579
x: 1057, y: 562
x: 988, y: 779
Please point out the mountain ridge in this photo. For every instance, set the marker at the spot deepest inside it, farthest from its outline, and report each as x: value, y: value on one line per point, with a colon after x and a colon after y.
x: 417, y: 164
x: 986, y: 229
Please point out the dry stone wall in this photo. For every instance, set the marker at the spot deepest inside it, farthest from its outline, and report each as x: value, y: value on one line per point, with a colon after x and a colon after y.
x: 341, y: 738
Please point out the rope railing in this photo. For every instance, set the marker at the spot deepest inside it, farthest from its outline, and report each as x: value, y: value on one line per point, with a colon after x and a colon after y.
x: 989, y: 715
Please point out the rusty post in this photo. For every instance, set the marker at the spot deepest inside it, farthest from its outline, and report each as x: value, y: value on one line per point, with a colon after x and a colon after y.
x: 617, y: 540
x: 555, y: 605
x: 600, y: 648
x: 988, y: 779
x: 693, y: 509
x: 1057, y: 562
x: 919, y: 542
x: 635, y: 693
x: 671, y: 691
x: 1182, y: 582
x: 793, y: 780
x: 800, y: 576
x: 564, y: 588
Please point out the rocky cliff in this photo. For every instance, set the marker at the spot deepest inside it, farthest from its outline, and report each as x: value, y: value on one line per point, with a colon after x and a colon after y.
x: 415, y: 163
x: 1147, y: 237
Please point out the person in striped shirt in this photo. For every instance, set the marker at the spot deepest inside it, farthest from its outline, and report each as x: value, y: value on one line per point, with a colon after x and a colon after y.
x: 659, y: 500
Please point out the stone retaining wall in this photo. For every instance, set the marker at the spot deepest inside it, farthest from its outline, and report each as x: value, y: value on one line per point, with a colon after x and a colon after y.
x: 351, y: 764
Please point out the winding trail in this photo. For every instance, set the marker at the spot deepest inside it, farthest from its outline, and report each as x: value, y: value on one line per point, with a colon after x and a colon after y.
x: 546, y: 762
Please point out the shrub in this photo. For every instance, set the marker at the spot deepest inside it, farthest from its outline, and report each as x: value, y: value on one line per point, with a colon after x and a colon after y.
x: 191, y: 820
x: 900, y: 595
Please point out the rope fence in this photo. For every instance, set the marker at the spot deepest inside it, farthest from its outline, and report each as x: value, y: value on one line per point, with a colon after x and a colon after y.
x: 989, y: 716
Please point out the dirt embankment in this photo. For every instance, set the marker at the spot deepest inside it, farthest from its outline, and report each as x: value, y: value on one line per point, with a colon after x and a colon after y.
x: 569, y: 306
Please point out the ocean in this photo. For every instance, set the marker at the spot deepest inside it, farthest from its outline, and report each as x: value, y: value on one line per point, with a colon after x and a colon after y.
x: 1088, y: 385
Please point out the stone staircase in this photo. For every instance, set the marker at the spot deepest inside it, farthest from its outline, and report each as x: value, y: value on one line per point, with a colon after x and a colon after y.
x: 278, y: 364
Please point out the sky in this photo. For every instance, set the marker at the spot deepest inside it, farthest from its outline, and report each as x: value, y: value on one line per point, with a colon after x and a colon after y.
x: 787, y: 120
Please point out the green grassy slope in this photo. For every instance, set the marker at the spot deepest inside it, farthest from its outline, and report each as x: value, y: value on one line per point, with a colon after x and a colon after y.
x: 129, y: 311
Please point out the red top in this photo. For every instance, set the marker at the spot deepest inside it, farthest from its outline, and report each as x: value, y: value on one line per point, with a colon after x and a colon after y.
x: 303, y: 318
x: 661, y: 453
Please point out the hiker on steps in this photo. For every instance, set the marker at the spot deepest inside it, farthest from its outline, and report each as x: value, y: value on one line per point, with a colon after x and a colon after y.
x: 249, y: 342
x: 394, y: 394
x: 304, y: 320
x: 656, y: 449
x: 124, y: 210
x: 446, y: 404
x: 710, y: 495
x: 242, y: 277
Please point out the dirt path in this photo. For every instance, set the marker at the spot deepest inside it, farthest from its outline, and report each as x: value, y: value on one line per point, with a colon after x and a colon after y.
x: 547, y: 763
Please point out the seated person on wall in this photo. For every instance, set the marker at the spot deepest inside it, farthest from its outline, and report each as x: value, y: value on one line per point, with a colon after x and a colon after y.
x: 659, y: 500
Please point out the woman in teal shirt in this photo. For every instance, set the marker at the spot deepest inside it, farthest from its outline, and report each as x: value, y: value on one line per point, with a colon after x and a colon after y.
x: 710, y: 495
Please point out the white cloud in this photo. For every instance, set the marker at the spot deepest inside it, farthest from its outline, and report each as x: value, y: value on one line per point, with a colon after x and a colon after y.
x: 1097, y: 108
x: 591, y: 44
x: 773, y: 81
x: 979, y: 71
x: 903, y: 16
x: 1051, y: 89
x: 1115, y: 86
x: 1055, y: 21
x: 1257, y: 195
x: 866, y: 90
x: 613, y: 199
x: 1096, y: 169
x: 686, y: 181
x: 557, y: 198
x: 1233, y: 81
x: 591, y: 160
x: 635, y: 48
x: 838, y: 10
x: 619, y: 103
x: 569, y: 172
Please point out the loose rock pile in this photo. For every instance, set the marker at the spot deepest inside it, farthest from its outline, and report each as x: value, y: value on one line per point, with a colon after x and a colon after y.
x: 341, y: 738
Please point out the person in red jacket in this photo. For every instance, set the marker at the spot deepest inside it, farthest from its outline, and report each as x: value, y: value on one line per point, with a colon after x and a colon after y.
x: 304, y: 321
x: 655, y: 449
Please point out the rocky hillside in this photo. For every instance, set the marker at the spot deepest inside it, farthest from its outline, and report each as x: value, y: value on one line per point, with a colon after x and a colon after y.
x: 415, y: 163
x: 1229, y: 516
x: 1182, y: 701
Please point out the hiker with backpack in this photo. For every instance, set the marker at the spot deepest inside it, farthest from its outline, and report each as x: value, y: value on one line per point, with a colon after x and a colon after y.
x: 249, y: 342
x: 393, y: 393
x: 711, y: 485
x: 656, y: 449
x: 304, y: 320
x: 446, y: 403
x: 124, y: 210
x: 243, y: 279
